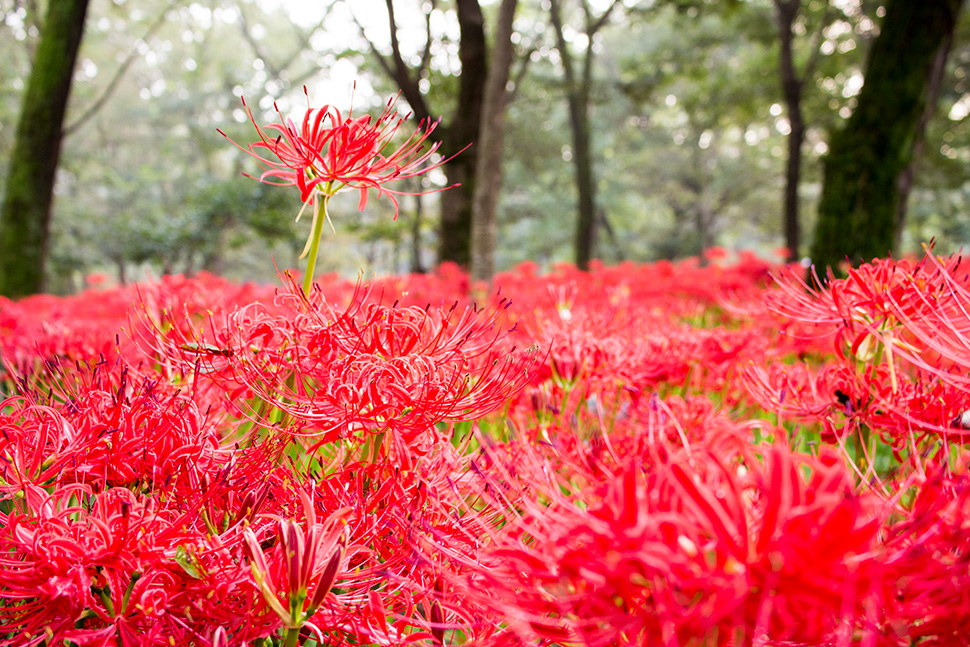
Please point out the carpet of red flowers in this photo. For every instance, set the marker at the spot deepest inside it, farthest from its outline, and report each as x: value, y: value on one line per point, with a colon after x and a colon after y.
x: 668, y: 454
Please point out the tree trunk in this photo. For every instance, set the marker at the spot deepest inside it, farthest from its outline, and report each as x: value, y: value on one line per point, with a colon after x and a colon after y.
x: 585, y: 183
x: 604, y: 221
x: 122, y: 270
x: 577, y: 97
x: 455, y: 226
x: 214, y: 258
x: 490, y: 145
x: 25, y: 216
x: 792, y: 91
x: 908, y: 176
x: 860, y: 193
x: 417, y: 265
x: 456, y: 203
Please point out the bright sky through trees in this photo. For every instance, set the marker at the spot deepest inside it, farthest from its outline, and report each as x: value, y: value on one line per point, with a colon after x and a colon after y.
x: 342, y: 31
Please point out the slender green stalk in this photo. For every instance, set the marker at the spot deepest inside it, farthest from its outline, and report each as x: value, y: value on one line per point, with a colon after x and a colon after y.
x: 319, y: 217
x: 292, y: 638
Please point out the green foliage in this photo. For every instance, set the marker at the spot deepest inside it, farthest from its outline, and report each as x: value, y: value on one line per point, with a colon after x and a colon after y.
x: 140, y: 170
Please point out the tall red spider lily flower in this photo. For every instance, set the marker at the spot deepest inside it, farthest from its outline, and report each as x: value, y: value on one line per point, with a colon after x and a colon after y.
x: 330, y: 152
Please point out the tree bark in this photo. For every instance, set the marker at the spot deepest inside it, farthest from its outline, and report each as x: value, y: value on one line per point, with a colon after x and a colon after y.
x: 26, y: 212
x: 456, y: 204
x: 792, y: 90
x: 464, y: 128
x: 417, y: 265
x: 860, y: 193
x: 585, y: 181
x: 490, y: 145
x: 908, y: 177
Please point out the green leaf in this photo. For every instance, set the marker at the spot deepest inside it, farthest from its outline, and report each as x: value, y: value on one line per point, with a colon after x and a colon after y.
x: 188, y: 562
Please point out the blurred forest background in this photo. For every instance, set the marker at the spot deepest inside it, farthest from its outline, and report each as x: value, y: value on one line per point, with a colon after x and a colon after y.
x: 678, y: 111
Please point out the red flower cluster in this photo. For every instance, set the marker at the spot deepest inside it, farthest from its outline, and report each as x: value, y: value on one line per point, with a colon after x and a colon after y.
x: 678, y: 543
x: 693, y: 456
x: 364, y: 370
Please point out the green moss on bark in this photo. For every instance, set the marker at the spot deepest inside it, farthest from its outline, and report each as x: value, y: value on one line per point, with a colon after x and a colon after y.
x: 25, y: 216
x: 857, y: 210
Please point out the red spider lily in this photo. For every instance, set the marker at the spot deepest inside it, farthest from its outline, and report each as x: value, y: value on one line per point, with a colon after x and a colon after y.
x: 117, y: 568
x: 367, y: 370
x: 936, y: 322
x: 864, y: 296
x: 930, y: 564
x: 359, y: 575
x: 108, y: 431
x: 41, y: 329
x: 309, y: 556
x: 901, y: 333
x: 329, y: 152
x: 881, y: 309
x: 135, y: 502
x: 130, y: 514
x: 95, y: 326
x: 690, y: 549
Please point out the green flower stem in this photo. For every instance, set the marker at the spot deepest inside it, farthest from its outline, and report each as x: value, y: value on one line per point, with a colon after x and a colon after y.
x: 319, y: 217
x: 292, y: 638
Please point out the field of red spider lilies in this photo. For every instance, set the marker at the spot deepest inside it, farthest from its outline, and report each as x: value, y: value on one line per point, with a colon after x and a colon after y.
x: 664, y: 454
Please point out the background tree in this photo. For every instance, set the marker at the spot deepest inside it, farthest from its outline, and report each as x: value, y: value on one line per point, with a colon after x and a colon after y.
x: 939, y: 197
x: 489, y: 148
x: 577, y: 88
x: 137, y: 172
x: 858, y: 207
x: 793, y: 85
x: 26, y: 212
x: 907, y: 177
x: 690, y: 133
x: 462, y: 128
x: 705, y: 111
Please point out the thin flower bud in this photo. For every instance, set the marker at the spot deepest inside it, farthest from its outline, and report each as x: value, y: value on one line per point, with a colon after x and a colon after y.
x: 328, y: 577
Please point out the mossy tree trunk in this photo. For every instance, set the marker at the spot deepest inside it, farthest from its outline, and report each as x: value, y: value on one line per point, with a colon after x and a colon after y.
x: 857, y: 210
x: 26, y: 212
